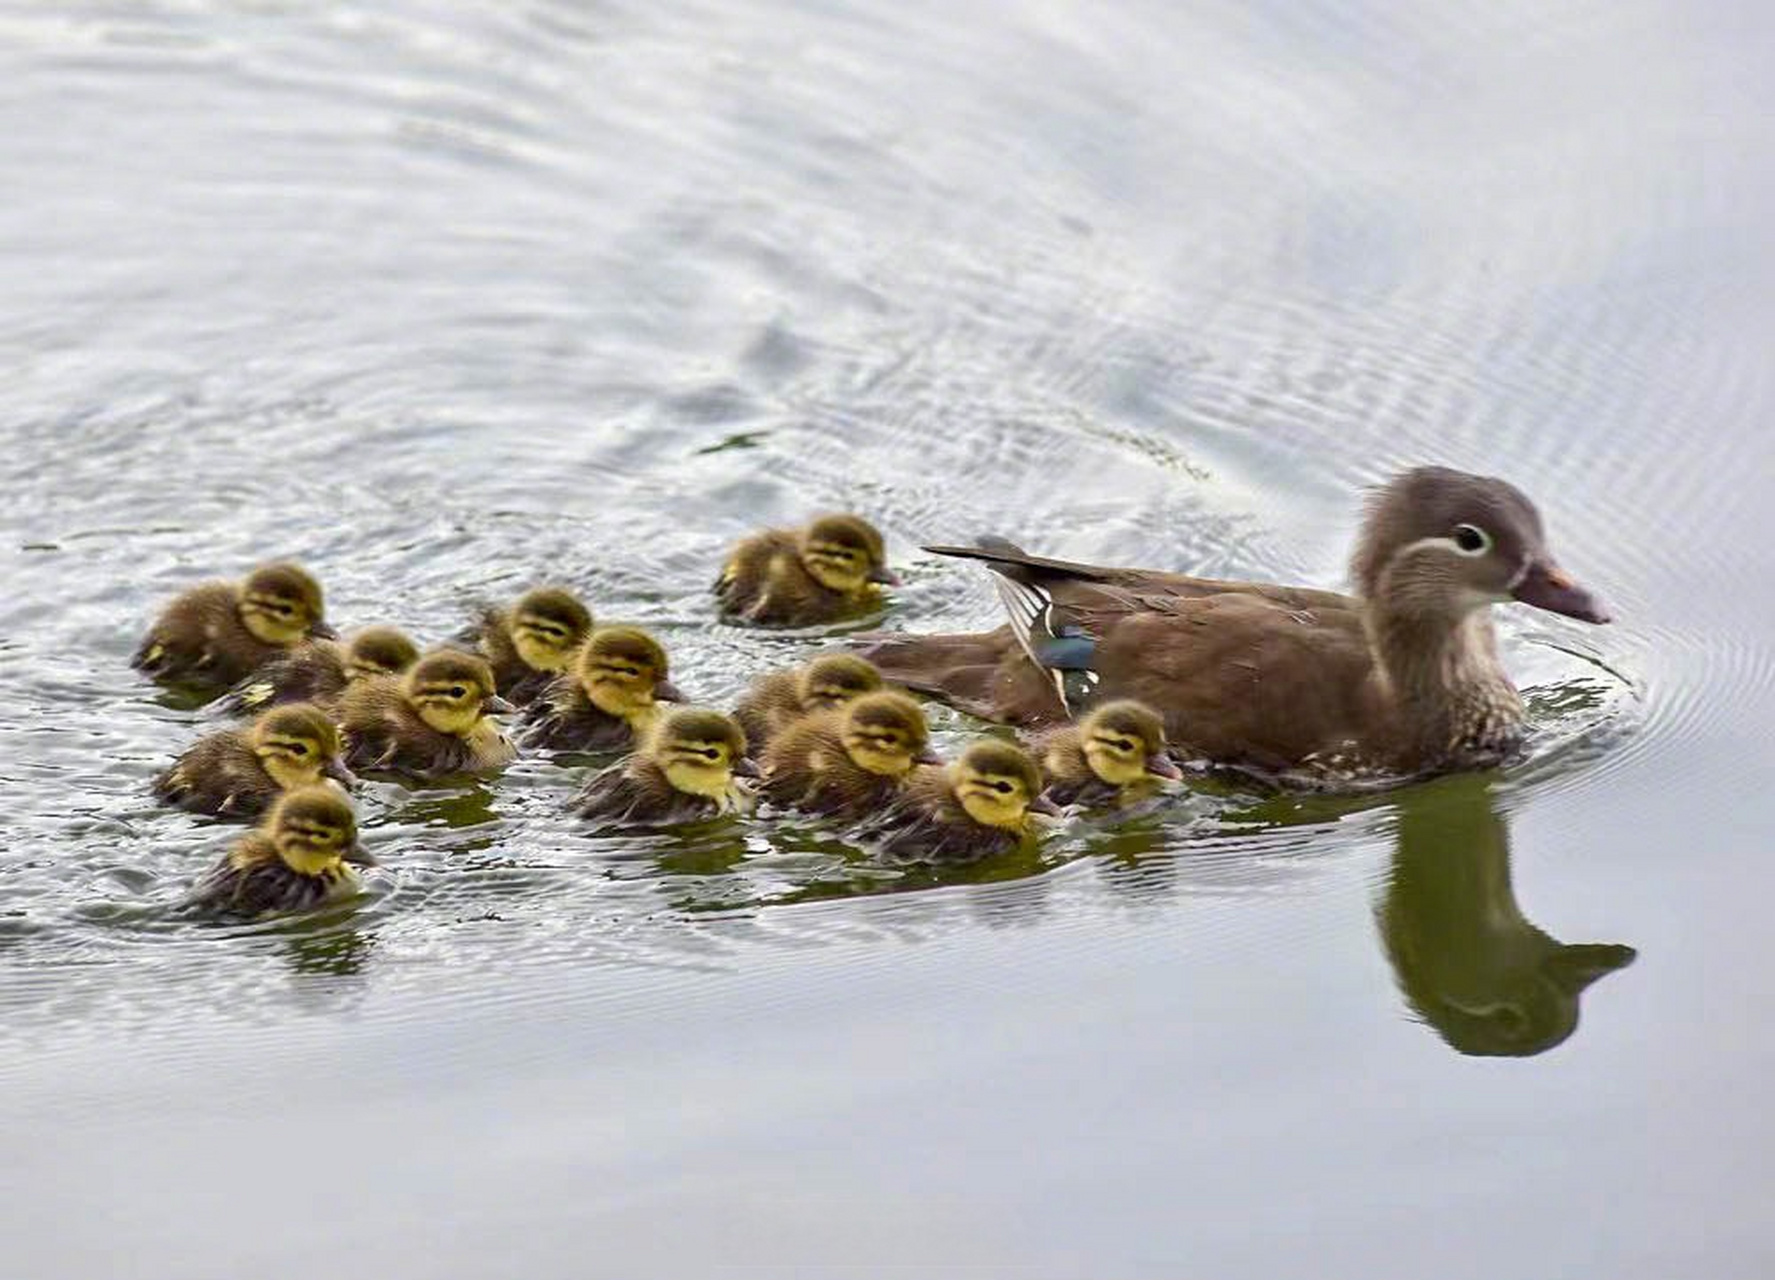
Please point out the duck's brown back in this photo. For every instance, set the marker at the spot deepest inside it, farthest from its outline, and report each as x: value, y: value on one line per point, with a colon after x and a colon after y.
x: 383, y: 733
x: 764, y: 582
x: 768, y: 707
x: 563, y: 718
x: 1243, y: 673
x: 313, y: 671
x: 218, y: 774
x: 807, y: 767
x: 200, y: 639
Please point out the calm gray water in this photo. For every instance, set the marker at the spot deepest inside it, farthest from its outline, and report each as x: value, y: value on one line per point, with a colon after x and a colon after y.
x: 445, y: 305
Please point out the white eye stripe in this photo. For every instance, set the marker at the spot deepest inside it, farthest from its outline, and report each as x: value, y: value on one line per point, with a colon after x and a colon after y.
x: 1470, y: 540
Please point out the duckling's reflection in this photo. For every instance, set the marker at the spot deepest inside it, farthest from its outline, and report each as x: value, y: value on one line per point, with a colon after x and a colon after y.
x: 1467, y: 960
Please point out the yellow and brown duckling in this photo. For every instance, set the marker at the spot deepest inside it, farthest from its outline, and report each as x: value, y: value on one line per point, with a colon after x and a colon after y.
x: 609, y: 701
x: 434, y: 721
x: 848, y: 763
x: 216, y: 633
x: 300, y: 857
x: 532, y: 641
x: 825, y: 572
x: 240, y: 772
x: 1112, y: 758
x: 976, y: 807
x: 686, y: 772
x: 777, y: 700
x: 318, y: 670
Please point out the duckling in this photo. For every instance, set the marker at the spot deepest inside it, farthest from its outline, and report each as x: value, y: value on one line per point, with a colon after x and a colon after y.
x: 777, y: 700
x: 823, y: 573
x: 240, y: 772
x: 851, y: 762
x: 1114, y: 757
x: 301, y: 856
x: 610, y: 700
x: 684, y: 773
x: 318, y: 670
x: 974, y: 808
x: 429, y: 723
x: 216, y: 633
x: 532, y: 642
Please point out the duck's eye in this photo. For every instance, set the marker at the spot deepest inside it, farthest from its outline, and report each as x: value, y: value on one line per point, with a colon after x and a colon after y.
x: 458, y: 692
x: 1471, y: 540
x: 299, y: 748
x: 1123, y: 744
x: 1003, y: 788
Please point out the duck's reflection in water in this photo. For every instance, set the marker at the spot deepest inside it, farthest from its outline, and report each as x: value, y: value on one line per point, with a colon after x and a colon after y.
x: 1467, y: 960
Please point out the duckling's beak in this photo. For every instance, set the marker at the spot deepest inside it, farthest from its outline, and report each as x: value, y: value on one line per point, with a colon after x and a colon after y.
x: 358, y: 856
x: 745, y: 767
x: 320, y: 629
x: 666, y: 691
x: 885, y: 576
x: 336, y: 770
x: 928, y: 756
x: 1042, y: 805
x: 496, y: 706
x: 1546, y: 586
x: 1160, y: 766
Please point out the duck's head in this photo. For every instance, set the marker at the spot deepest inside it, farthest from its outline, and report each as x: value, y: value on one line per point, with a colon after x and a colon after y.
x: 281, y: 604
x: 699, y: 751
x: 1124, y: 744
x: 379, y: 651
x: 548, y: 625
x: 885, y: 733
x: 1442, y: 543
x: 314, y: 829
x: 452, y: 691
x: 996, y: 782
x: 623, y: 671
x: 844, y: 553
x: 834, y: 679
x: 298, y: 745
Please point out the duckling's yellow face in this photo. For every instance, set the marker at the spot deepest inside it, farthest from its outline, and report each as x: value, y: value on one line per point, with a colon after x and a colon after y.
x: 547, y: 628
x: 884, y: 733
x: 296, y: 745
x: 697, y: 750
x: 379, y: 651
x: 1124, y: 744
x: 995, y: 783
x: 836, y: 679
x: 453, y: 692
x: 622, y: 671
x: 313, y: 830
x: 844, y: 554
x: 279, y: 604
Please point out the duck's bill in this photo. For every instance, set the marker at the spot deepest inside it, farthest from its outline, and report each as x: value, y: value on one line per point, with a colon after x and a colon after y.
x: 666, y: 691
x: 497, y: 706
x: 746, y: 767
x: 336, y: 770
x: 1160, y: 765
x: 322, y: 631
x: 1043, y: 805
x: 1547, y: 586
x: 885, y: 576
x: 358, y: 856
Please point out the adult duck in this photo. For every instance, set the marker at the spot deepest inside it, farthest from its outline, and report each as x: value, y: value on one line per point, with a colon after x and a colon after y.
x: 1286, y: 682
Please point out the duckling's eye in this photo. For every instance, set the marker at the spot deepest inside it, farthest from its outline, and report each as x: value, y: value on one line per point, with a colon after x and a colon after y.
x: 299, y: 748
x: 1123, y: 744
x: 1471, y: 540
x: 458, y: 692
x: 1003, y: 788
